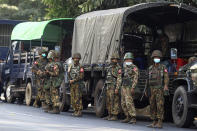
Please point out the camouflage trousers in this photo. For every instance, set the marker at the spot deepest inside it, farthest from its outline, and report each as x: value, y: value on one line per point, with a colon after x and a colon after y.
x: 47, y: 97
x: 112, y: 104
x: 40, y: 91
x: 157, y: 103
x: 127, y: 102
x: 55, y: 100
x: 76, y: 97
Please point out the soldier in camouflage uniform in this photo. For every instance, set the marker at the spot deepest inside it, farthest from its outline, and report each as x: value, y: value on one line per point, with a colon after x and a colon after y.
x: 76, y: 74
x: 112, y: 90
x: 129, y: 79
x: 158, y: 83
x: 56, y: 73
x: 48, y: 82
x: 38, y: 69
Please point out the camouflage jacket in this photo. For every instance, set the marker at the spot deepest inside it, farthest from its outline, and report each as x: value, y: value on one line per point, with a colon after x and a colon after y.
x: 76, y: 73
x: 158, y: 76
x: 112, y: 74
x: 56, y: 73
x: 128, y: 77
x: 38, y: 67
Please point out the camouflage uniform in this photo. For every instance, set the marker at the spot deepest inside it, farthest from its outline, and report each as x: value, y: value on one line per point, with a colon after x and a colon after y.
x: 158, y: 77
x: 129, y: 79
x: 38, y: 69
x: 112, y: 98
x: 76, y: 73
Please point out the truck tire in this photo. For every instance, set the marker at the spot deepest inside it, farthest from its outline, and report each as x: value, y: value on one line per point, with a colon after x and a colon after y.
x: 28, y: 94
x: 99, y: 102
x: 9, y: 94
x: 182, y: 115
x: 64, y: 99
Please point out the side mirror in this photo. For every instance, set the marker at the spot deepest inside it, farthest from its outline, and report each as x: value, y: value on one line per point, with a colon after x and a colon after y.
x: 173, y: 53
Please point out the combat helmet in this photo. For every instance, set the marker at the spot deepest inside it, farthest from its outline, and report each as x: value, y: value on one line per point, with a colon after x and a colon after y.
x: 57, y: 54
x: 115, y: 56
x: 51, y: 54
x: 42, y: 50
x: 128, y: 55
x: 76, y: 56
x: 156, y: 53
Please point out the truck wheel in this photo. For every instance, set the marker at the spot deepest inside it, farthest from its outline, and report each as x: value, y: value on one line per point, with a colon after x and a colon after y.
x: 64, y: 99
x: 182, y: 115
x: 99, y: 102
x: 9, y: 94
x: 28, y: 94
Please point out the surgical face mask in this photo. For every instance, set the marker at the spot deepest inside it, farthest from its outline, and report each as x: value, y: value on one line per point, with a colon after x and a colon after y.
x: 156, y: 60
x: 44, y: 55
x: 128, y: 63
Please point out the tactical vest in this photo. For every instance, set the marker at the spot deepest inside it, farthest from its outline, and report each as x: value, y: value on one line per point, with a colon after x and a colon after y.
x: 127, y: 77
x: 74, y: 71
x: 156, y: 76
x: 112, y: 74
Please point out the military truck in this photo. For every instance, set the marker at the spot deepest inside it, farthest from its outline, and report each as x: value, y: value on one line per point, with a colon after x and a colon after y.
x: 98, y: 34
x: 26, y: 38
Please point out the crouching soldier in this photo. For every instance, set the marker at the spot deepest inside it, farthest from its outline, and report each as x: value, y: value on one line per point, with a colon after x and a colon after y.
x: 113, y: 105
x: 158, y: 83
x: 38, y: 69
x: 129, y: 79
x: 76, y: 74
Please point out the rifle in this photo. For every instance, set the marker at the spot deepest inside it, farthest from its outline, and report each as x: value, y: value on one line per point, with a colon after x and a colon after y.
x: 102, y: 92
x: 66, y: 78
x: 146, y: 89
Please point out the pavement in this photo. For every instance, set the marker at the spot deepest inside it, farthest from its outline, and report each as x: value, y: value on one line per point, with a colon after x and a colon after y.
x: 15, y: 117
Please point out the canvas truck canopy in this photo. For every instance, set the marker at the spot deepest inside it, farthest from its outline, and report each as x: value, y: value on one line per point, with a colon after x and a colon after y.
x: 98, y: 34
x: 48, y: 31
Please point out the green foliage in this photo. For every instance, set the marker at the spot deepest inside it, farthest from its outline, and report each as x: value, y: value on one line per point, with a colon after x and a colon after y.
x: 22, y: 10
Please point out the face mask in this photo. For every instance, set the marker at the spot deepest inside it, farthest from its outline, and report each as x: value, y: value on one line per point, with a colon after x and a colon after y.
x: 43, y: 55
x: 128, y: 63
x: 156, y: 60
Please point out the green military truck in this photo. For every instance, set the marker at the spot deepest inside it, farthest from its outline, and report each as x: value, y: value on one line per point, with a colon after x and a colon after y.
x: 97, y: 35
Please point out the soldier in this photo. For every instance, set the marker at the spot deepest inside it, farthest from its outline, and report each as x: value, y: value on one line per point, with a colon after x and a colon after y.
x: 76, y: 74
x: 38, y: 70
x: 112, y: 90
x: 129, y: 79
x: 48, y: 82
x: 56, y: 73
x: 158, y: 83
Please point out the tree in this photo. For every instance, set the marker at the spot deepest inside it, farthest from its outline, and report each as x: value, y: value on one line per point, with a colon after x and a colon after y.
x: 22, y: 9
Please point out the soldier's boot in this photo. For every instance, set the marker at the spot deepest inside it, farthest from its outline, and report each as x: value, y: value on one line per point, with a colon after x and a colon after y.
x: 44, y: 105
x: 107, y: 117
x: 132, y: 121
x: 55, y: 110
x: 152, y: 125
x: 159, y: 124
x: 48, y: 108
x: 35, y: 104
x: 126, y: 120
x: 74, y: 113
x: 113, y: 118
x: 79, y: 114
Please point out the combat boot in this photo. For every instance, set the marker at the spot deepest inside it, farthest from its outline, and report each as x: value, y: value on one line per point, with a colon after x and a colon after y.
x: 126, y: 120
x: 159, y: 124
x: 74, y: 113
x: 153, y: 124
x: 48, y: 108
x: 35, y: 104
x: 44, y: 105
x: 132, y: 121
x: 113, y: 118
x: 107, y: 117
x: 79, y: 114
x: 55, y: 110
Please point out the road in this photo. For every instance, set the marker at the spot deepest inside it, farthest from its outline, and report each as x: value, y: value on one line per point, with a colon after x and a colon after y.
x: 15, y: 117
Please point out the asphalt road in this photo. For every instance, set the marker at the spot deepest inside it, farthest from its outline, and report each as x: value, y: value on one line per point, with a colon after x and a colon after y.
x: 15, y: 117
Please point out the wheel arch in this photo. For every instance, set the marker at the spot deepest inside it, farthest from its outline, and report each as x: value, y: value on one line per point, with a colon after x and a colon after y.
x: 185, y: 82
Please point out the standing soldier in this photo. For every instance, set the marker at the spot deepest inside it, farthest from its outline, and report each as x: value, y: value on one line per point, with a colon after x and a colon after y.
x: 158, y: 83
x: 38, y: 69
x: 112, y: 89
x: 48, y: 82
x: 76, y: 74
x: 129, y: 79
x: 56, y: 73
